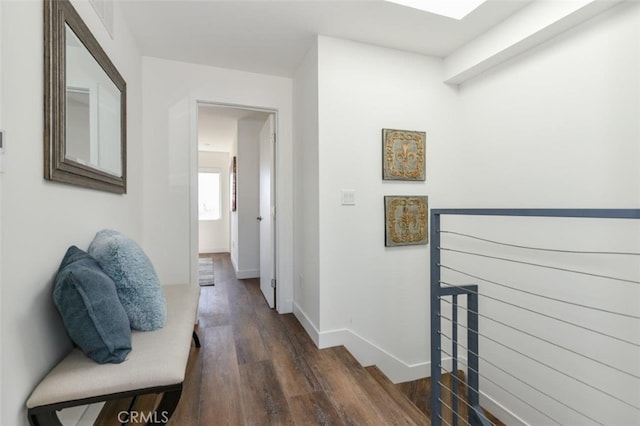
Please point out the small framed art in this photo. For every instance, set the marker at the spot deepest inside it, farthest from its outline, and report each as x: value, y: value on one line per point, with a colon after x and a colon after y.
x: 403, y: 155
x: 405, y: 220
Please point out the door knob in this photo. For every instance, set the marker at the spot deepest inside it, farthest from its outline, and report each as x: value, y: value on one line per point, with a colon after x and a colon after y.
x: 259, y: 218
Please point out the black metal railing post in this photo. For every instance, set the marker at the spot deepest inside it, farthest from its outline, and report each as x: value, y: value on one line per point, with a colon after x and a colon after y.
x: 436, y: 339
x: 476, y: 415
x: 454, y: 360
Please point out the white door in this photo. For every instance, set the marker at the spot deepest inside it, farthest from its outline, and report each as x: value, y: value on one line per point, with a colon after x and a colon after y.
x: 267, y: 211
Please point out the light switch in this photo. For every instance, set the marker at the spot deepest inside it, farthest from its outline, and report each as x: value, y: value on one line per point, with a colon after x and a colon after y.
x: 348, y: 197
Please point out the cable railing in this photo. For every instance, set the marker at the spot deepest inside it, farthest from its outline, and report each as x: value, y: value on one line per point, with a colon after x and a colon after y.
x: 542, y: 321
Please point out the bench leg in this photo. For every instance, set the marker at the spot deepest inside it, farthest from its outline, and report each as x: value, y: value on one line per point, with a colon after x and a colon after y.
x: 196, y: 340
x: 49, y: 418
x: 167, y: 406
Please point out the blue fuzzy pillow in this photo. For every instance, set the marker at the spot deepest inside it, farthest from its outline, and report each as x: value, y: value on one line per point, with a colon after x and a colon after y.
x: 136, y: 281
x: 91, y: 311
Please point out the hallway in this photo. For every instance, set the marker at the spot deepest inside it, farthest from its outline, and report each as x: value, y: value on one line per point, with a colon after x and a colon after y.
x: 257, y: 367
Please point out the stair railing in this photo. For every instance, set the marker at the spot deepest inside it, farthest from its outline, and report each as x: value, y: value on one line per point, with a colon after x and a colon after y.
x: 465, y: 298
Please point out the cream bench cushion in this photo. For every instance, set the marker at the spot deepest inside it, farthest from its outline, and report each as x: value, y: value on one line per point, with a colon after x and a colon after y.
x: 158, y: 359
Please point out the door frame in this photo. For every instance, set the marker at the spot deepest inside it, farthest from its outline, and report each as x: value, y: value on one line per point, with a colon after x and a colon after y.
x: 193, y: 186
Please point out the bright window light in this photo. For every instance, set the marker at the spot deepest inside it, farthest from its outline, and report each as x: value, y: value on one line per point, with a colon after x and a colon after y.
x: 209, y: 196
x: 456, y: 9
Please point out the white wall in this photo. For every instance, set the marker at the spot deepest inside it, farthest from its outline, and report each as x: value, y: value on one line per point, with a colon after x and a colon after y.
x: 214, y: 235
x: 1, y: 209
x: 170, y: 92
x: 41, y: 219
x: 555, y: 127
x: 369, y: 292
x: 247, y: 239
x: 558, y: 127
x: 307, y: 271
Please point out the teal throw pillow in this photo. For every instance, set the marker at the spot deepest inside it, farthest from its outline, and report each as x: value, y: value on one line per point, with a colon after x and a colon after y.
x: 136, y: 280
x: 91, y: 311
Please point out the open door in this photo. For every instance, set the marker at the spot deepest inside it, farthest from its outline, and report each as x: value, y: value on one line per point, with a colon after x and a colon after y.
x: 267, y: 211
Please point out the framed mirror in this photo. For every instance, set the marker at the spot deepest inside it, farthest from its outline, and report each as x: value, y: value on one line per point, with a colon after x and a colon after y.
x: 84, y: 104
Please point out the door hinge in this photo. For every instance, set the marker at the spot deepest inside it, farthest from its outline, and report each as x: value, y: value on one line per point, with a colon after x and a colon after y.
x: 274, y: 138
x: 273, y: 283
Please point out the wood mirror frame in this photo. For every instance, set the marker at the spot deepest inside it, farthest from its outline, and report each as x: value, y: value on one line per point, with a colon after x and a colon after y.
x: 58, y: 14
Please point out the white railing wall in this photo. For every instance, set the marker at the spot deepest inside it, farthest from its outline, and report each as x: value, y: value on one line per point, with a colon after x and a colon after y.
x: 541, y: 311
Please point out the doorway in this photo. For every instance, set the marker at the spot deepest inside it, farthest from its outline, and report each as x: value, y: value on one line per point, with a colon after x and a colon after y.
x: 242, y: 142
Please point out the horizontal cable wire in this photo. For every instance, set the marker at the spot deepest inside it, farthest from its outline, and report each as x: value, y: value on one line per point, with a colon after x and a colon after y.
x: 462, y: 399
x: 520, y: 380
x: 458, y: 397
x: 452, y: 412
x: 581, y: 272
x: 552, y: 367
x: 542, y: 340
x: 539, y: 265
x: 539, y: 295
x: 543, y: 314
x: 444, y: 421
x: 498, y: 385
x: 461, y: 234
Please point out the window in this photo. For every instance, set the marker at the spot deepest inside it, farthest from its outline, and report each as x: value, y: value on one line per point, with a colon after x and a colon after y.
x: 209, y: 195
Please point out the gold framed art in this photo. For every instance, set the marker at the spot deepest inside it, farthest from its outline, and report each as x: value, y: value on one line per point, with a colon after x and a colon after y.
x: 406, y: 220
x: 403, y: 155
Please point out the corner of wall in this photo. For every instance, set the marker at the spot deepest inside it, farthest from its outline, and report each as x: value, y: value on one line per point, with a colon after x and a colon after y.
x: 306, y: 295
x: 306, y: 323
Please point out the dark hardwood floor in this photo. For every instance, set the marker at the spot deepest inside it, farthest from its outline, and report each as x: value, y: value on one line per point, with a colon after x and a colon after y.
x: 257, y: 367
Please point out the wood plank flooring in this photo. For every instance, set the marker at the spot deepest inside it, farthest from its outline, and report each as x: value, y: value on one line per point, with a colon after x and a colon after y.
x: 257, y: 367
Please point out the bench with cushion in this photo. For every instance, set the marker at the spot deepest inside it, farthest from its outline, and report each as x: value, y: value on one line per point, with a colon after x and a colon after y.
x: 156, y: 364
x: 132, y: 335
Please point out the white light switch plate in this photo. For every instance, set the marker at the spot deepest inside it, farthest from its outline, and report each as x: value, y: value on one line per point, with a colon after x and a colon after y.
x: 348, y: 197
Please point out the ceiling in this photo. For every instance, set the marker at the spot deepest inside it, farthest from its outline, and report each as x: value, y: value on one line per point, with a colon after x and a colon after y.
x: 272, y: 36
x: 218, y: 126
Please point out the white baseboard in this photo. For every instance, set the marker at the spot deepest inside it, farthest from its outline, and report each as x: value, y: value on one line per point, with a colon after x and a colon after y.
x: 505, y: 415
x: 248, y: 273
x: 72, y: 415
x: 243, y: 274
x: 395, y: 369
x: 307, y: 324
x: 285, y: 307
x: 83, y: 415
x: 234, y: 263
x: 367, y: 353
x: 363, y: 350
x: 206, y: 250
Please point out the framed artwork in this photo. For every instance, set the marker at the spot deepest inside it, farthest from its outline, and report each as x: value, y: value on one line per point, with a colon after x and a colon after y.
x: 233, y: 184
x: 405, y: 220
x: 403, y: 155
